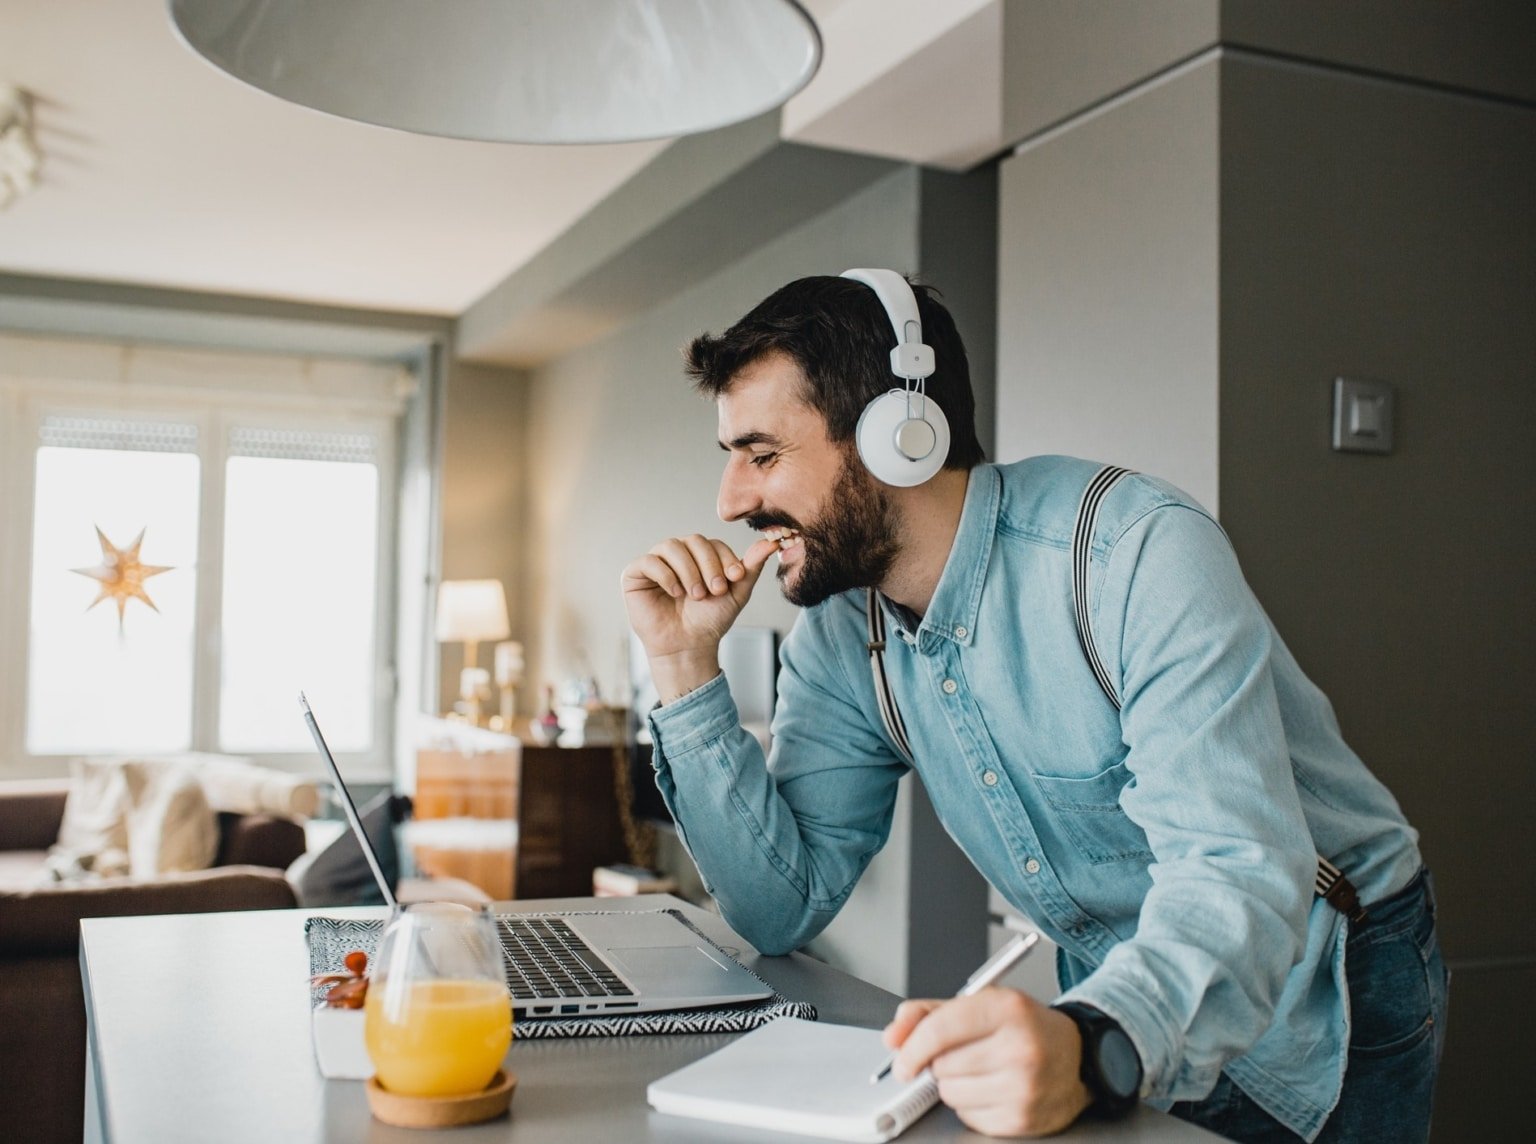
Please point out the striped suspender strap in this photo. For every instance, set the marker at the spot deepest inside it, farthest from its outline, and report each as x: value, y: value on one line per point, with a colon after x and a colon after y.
x: 1338, y: 891
x: 888, y: 710
x: 1331, y: 884
x: 1082, y: 545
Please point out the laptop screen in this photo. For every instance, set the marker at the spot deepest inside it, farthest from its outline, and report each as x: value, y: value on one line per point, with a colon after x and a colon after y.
x: 353, y: 818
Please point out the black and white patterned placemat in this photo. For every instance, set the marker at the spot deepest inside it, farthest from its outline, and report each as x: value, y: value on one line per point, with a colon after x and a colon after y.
x: 331, y: 939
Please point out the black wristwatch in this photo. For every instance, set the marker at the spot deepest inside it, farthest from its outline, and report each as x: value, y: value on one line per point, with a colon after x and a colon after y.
x: 1111, y: 1064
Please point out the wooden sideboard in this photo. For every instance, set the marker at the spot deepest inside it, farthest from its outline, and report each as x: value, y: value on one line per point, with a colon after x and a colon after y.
x: 550, y: 816
x: 568, y: 820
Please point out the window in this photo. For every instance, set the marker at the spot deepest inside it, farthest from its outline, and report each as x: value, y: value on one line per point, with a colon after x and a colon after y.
x: 300, y: 570
x: 262, y: 520
x: 92, y: 688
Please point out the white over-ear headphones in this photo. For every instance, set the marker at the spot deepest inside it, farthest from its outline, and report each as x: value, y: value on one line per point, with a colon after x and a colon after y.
x: 903, y: 437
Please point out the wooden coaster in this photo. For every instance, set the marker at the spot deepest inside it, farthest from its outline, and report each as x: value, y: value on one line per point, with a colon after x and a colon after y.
x: 441, y: 1111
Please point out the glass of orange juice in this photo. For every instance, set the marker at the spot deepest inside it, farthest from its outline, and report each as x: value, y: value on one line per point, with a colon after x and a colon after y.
x: 438, y: 1018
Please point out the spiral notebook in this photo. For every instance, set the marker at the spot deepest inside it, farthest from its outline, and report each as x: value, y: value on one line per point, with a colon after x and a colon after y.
x: 798, y: 1076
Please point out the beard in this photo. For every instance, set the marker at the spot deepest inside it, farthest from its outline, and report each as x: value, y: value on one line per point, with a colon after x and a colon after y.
x: 852, y: 545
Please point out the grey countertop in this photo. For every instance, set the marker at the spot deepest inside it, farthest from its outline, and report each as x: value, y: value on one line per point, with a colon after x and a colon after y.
x: 199, y: 1030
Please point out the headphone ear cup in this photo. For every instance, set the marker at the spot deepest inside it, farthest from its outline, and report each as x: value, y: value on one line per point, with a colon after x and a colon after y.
x: 876, y: 437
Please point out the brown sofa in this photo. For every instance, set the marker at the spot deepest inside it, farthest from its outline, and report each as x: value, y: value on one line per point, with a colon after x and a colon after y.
x: 42, y: 1008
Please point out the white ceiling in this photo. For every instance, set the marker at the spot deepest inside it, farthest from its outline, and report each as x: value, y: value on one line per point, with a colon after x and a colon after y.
x: 162, y: 171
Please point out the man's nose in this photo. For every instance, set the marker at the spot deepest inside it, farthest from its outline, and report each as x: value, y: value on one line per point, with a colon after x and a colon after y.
x: 737, y: 496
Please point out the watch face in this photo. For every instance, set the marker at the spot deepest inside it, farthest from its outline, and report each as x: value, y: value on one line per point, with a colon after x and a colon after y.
x: 1118, y: 1063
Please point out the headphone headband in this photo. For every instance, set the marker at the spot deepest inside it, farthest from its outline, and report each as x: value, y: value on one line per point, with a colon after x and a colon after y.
x: 910, y: 359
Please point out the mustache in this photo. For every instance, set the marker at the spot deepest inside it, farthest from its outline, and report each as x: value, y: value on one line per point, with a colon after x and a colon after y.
x: 760, y: 521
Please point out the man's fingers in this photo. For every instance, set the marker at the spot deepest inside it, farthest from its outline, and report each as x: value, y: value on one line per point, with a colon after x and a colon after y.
x: 1004, y: 1062
x: 984, y: 1056
x: 757, y: 556
x: 706, y: 556
x: 698, y: 567
x: 908, y: 1014
x: 955, y: 1023
x: 751, y: 565
x: 735, y: 570
x: 651, y: 571
x: 680, y: 558
x: 974, y: 1092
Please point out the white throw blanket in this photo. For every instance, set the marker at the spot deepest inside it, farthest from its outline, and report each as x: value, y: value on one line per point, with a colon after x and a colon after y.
x: 141, y: 817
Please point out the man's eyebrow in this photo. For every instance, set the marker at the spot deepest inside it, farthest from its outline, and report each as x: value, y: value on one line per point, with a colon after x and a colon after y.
x: 756, y: 437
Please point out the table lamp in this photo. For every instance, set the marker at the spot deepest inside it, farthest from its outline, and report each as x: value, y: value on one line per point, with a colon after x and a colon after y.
x: 471, y: 611
x: 509, y: 676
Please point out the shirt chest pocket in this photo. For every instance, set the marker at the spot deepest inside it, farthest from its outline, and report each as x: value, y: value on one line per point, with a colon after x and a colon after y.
x: 1088, y: 812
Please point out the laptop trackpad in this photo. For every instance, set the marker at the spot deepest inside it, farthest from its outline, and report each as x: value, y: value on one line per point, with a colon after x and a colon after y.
x: 675, y: 965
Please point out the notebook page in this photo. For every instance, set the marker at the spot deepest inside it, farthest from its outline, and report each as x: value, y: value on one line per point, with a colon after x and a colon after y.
x: 798, y: 1076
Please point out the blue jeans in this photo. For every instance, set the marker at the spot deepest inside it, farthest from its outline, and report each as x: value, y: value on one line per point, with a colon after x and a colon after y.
x: 1398, y: 992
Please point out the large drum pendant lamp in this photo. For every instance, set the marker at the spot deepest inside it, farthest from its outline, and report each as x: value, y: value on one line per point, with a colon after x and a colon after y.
x: 516, y: 71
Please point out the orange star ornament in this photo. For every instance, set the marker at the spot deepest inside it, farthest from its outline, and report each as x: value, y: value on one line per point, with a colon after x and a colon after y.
x: 121, y: 574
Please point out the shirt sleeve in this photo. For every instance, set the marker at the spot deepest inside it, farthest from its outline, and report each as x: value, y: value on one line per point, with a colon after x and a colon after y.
x: 780, y: 842
x: 1212, y: 787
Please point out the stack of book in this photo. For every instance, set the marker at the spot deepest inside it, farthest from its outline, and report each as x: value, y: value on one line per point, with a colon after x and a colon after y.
x: 622, y: 880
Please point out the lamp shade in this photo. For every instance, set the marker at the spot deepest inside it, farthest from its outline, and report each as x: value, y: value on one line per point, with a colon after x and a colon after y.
x: 515, y: 71
x: 471, y: 610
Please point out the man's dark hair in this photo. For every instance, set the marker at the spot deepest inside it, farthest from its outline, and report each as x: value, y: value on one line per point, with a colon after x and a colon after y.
x: 837, y: 332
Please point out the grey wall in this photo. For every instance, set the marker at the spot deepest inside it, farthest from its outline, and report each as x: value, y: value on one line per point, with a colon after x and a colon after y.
x: 1190, y: 257
x: 1483, y: 46
x: 1108, y: 288
x: 1386, y: 231
x: 483, y: 500
x: 1064, y: 56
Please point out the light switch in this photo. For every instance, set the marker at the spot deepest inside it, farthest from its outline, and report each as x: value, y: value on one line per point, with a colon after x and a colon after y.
x: 1362, y: 415
x: 1365, y: 417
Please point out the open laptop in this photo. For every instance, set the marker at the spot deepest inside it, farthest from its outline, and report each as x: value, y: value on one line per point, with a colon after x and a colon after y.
x: 578, y: 963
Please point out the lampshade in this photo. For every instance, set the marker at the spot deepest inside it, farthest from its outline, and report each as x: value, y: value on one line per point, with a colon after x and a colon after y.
x: 471, y: 610
x: 515, y: 71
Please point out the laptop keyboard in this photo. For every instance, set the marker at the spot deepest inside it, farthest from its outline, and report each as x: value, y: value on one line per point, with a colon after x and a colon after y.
x: 545, y: 958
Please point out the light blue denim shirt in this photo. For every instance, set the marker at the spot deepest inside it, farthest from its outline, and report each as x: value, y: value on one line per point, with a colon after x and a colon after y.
x: 1168, y: 848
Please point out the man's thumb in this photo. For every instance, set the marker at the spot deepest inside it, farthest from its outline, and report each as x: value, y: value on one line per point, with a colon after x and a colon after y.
x: 753, y: 561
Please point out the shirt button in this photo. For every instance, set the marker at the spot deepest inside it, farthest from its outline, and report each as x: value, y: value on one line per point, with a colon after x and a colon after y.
x: 990, y: 778
x: 960, y: 633
x: 950, y: 687
x: 1032, y: 867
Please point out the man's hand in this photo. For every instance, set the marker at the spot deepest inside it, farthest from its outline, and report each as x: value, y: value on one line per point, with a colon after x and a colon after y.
x: 1008, y: 1065
x: 682, y: 597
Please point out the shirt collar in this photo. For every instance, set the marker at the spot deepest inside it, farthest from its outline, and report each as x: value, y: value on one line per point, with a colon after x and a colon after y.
x: 957, y: 599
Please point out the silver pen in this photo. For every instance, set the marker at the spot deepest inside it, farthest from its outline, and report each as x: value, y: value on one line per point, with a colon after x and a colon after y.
x: 996, y: 965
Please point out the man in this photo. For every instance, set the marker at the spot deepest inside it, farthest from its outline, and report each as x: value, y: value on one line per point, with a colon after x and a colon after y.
x: 1168, y: 846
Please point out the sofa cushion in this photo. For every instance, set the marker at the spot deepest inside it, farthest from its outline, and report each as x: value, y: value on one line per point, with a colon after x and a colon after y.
x: 258, y: 840
x: 22, y: 868
x: 239, y: 787
x: 143, y: 817
x: 31, y: 811
x: 93, y: 835
x: 47, y: 920
x: 339, y: 874
x: 171, y: 827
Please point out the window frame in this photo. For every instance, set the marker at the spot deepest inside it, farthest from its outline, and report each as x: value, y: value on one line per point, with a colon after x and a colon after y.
x: 215, y: 391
